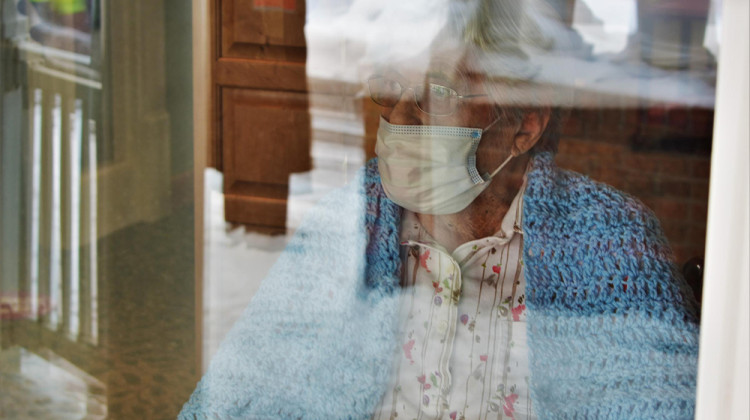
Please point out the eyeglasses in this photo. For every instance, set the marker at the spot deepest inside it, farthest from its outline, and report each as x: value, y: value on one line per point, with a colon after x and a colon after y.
x: 431, y: 98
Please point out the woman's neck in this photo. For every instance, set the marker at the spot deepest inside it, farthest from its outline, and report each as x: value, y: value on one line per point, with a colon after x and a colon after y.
x: 484, y: 216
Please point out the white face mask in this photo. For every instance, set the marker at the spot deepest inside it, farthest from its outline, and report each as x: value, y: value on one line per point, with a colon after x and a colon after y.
x: 431, y: 169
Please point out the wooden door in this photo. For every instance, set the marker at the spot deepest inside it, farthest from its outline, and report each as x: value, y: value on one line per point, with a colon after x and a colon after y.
x: 260, y: 119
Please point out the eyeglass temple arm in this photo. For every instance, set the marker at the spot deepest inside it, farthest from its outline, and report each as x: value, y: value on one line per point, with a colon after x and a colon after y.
x: 478, y: 95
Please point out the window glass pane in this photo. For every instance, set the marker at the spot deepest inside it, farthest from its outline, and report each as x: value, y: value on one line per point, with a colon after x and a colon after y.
x: 462, y: 209
x: 96, y: 214
x: 413, y: 209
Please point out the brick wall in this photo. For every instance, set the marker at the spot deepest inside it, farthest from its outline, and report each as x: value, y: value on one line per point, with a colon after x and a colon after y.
x: 659, y: 154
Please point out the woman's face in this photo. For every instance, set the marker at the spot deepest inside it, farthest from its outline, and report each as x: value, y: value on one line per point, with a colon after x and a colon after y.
x: 473, y: 112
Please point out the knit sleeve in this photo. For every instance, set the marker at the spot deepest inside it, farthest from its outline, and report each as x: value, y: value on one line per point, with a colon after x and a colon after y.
x: 613, y: 326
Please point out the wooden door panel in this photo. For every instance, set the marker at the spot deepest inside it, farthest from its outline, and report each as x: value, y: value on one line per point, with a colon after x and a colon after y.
x: 259, y: 22
x: 263, y: 206
x: 260, y: 28
x: 265, y: 135
x: 261, y: 123
x: 261, y: 74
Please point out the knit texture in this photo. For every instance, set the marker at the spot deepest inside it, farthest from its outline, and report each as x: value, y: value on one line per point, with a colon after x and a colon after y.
x: 613, y: 329
x: 315, y: 342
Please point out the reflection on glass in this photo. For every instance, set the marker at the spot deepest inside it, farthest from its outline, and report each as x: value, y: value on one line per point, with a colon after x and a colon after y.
x: 55, y: 247
x: 65, y: 25
x: 52, y: 385
x: 76, y: 123
x: 96, y: 224
x: 475, y: 268
x: 605, y: 25
x: 92, y: 255
x: 36, y: 174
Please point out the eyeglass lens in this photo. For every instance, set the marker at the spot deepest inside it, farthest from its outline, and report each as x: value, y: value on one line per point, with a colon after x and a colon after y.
x: 432, y: 98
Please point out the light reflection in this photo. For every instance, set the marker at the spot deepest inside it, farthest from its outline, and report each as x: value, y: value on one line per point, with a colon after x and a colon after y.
x: 75, y: 218
x: 605, y: 25
x: 93, y: 296
x: 55, y: 208
x: 36, y: 176
x: 55, y: 107
x: 53, y: 386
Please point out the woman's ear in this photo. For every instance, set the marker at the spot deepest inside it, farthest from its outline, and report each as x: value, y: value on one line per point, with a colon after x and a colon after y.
x: 532, y: 127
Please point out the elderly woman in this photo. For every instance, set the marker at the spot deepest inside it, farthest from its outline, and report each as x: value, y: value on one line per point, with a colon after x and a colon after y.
x: 464, y: 275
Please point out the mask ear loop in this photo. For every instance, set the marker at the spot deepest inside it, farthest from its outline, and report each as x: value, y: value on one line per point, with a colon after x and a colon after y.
x: 491, y: 124
x: 502, y: 165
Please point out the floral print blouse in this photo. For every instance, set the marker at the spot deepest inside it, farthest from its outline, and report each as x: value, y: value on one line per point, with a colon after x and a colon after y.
x: 463, y: 352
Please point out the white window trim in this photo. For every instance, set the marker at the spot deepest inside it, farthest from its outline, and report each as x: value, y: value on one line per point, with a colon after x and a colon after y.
x: 724, y: 362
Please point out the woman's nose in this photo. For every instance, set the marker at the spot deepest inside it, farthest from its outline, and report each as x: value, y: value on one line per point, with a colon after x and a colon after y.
x: 405, y: 112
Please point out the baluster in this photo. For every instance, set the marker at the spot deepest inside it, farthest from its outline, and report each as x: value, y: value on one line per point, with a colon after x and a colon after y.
x: 74, y: 219
x: 55, y: 249
x: 34, y: 199
x: 93, y: 295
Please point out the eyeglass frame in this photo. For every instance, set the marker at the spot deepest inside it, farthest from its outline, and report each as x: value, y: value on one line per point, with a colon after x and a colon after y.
x: 414, y: 93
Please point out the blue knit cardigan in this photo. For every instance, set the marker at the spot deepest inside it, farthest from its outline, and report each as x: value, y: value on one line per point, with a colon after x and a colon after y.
x: 613, y: 329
